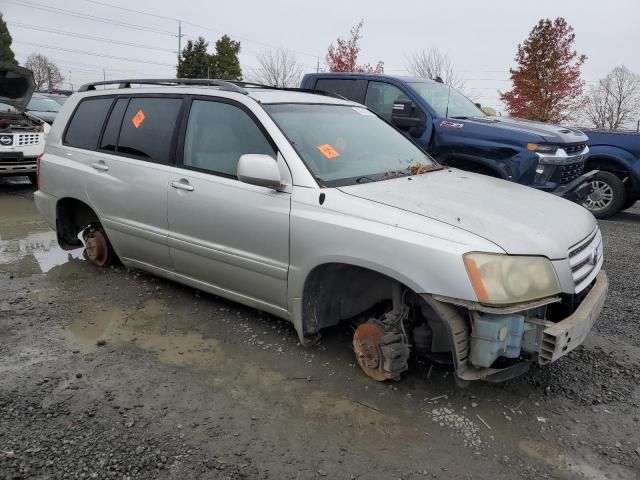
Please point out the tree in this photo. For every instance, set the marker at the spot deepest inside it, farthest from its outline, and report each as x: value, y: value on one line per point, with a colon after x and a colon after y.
x: 432, y: 64
x: 344, y: 56
x: 194, y: 60
x: 6, y: 54
x: 279, y: 69
x: 225, y: 63
x: 615, y: 100
x: 546, y: 84
x: 46, y: 74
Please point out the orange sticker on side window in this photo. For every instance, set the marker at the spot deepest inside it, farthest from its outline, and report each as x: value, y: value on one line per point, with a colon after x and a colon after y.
x: 328, y: 151
x: 138, y: 118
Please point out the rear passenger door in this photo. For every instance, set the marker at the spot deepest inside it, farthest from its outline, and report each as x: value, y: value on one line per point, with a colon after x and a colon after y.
x: 128, y: 176
x: 230, y: 237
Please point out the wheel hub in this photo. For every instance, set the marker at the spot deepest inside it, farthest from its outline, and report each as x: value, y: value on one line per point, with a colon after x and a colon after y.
x: 381, y: 354
x: 600, y: 197
x: 96, y: 247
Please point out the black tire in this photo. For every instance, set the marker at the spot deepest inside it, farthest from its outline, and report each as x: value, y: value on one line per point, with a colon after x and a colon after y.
x: 608, y: 197
x: 629, y: 202
x: 33, y: 179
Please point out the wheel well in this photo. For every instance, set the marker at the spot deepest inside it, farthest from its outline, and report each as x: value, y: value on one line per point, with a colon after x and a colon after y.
x: 336, y: 291
x: 607, y: 165
x: 72, y: 217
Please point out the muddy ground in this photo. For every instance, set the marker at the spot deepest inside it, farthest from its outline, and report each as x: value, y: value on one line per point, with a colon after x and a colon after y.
x: 118, y: 374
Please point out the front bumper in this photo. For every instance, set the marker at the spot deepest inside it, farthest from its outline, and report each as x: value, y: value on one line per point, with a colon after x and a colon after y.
x: 577, y: 190
x: 566, y: 335
x: 15, y: 163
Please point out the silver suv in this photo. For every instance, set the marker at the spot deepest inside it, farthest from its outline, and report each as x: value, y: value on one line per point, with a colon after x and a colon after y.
x: 316, y: 210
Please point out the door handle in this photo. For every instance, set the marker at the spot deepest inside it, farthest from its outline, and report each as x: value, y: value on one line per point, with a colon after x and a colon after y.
x: 182, y: 184
x: 100, y: 166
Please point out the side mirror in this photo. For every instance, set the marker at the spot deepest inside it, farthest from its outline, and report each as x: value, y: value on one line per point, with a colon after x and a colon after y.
x: 405, y: 114
x: 258, y: 169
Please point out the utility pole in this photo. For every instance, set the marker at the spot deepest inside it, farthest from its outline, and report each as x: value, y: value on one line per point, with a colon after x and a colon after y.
x: 318, y: 66
x: 179, y: 43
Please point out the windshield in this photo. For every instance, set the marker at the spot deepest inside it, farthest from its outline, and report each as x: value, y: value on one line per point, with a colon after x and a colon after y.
x: 437, y: 95
x: 43, y: 104
x: 343, y: 145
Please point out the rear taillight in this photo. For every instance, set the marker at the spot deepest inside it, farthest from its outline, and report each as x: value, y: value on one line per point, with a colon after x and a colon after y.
x: 38, y: 171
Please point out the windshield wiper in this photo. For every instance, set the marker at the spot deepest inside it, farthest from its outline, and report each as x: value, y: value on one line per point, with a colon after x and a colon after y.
x: 364, y: 179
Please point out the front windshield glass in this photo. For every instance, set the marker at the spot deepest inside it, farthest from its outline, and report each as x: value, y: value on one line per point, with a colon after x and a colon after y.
x: 343, y: 145
x: 438, y: 95
x: 43, y: 104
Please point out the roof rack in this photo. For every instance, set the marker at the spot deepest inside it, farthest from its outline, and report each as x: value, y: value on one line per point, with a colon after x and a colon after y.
x: 288, y: 89
x: 221, y: 84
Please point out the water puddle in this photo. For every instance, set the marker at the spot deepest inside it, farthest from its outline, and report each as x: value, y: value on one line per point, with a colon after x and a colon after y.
x: 149, y: 327
x: 27, y: 245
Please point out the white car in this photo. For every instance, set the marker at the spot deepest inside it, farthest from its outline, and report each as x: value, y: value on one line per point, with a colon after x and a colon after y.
x: 316, y: 210
x: 22, y: 135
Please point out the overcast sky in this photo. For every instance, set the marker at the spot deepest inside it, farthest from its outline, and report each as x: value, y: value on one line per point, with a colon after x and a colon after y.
x: 481, y: 37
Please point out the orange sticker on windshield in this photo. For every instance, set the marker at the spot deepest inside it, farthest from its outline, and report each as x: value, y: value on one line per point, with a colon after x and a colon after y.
x: 138, y: 118
x: 328, y: 151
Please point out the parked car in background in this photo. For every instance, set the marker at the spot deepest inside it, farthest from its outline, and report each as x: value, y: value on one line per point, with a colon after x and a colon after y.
x: 458, y: 133
x: 314, y: 209
x: 43, y: 107
x: 57, y: 97
x: 22, y: 135
x: 617, y: 185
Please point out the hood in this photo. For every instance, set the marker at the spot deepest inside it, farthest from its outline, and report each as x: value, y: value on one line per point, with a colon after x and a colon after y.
x: 16, y: 86
x: 518, y: 219
x: 549, y: 133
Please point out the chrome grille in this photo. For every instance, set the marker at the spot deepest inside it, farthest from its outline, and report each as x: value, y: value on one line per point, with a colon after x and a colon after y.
x: 574, y: 149
x: 22, y: 139
x: 585, y: 259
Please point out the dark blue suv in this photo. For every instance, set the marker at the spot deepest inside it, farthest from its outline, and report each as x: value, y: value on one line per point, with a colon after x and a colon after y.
x: 458, y: 133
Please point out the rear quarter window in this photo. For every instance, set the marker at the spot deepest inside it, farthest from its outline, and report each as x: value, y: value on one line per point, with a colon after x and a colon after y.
x: 148, y: 128
x: 86, y: 123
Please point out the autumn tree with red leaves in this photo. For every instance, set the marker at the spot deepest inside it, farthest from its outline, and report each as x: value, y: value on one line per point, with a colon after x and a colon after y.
x: 546, y: 84
x: 344, y: 56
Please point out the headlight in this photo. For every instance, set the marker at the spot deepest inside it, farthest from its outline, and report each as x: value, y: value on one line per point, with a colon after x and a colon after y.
x: 504, y: 279
x: 539, y: 148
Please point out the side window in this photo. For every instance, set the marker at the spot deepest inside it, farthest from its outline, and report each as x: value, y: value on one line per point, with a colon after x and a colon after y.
x: 110, y: 135
x: 148, y: 128
x: 218, y: 134
x: 86, y: 124
x: 381, y: 97
x: 349, y: 89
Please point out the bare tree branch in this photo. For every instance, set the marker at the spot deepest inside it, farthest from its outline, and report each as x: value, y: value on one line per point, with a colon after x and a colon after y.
x: 46, y: 74
x: 432, y: 63
x: 277, y: 69
x: 615, y: 102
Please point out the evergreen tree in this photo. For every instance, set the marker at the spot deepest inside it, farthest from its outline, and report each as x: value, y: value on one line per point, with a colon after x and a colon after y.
x: 6, y: 54
x: 225, y: 63
x: 194, y: 60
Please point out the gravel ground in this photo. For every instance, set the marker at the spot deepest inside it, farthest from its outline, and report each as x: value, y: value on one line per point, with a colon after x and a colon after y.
x: 118, y: 374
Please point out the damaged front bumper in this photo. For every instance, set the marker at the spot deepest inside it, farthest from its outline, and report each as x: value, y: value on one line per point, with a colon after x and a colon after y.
x: 564, y: 336
x: 516, y: 338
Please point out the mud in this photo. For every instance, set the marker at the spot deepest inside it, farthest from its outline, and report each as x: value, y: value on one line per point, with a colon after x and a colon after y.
x: 118, y: 374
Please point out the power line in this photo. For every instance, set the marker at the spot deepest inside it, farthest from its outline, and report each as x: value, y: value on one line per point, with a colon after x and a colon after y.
x: 88, y: 37
x: 245, y: 39
x: 94, y: 18
x: 96, y: 54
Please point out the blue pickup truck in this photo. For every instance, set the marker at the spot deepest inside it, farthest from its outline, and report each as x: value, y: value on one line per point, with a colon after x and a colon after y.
x: 617, y: 184
x: 458, y: 133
